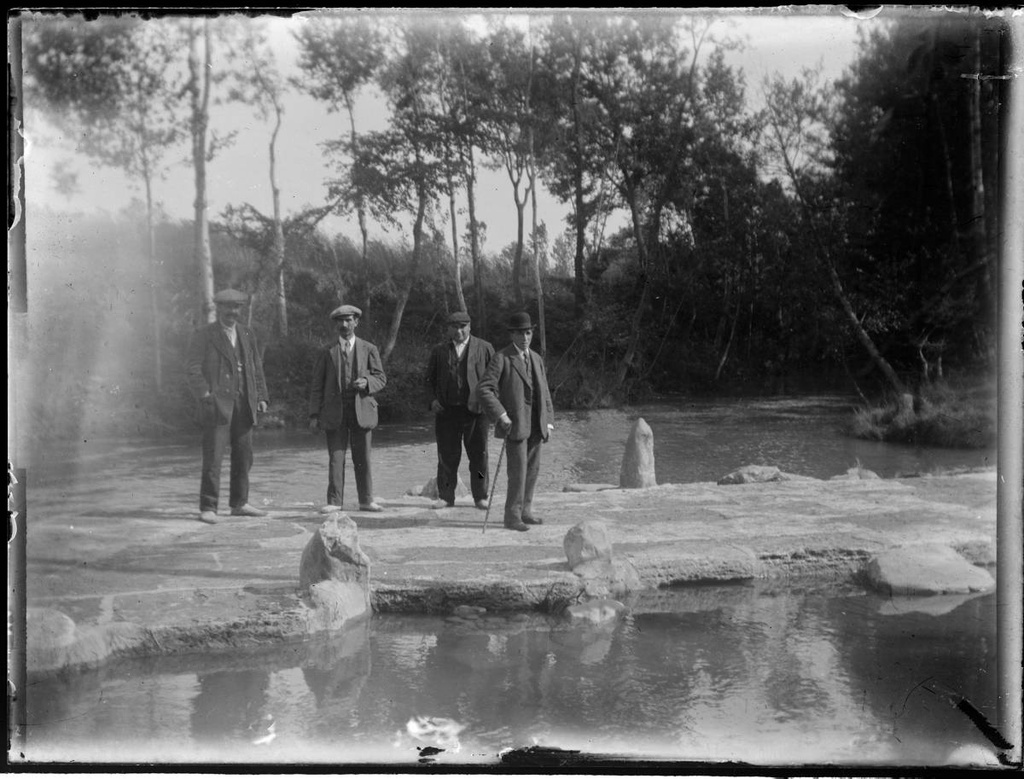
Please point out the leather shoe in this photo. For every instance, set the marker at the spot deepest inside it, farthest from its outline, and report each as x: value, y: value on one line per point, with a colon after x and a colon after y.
x: 516, y: 526
x: 533, y: 520
x: 209, y: 517
x: 481, y: 504
x: 442, y: 504
x: 330, y: 508
x: 247, y: 511
x: 374, y: 507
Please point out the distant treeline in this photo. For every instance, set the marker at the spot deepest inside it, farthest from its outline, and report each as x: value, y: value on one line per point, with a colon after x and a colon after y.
x: 845, y: 229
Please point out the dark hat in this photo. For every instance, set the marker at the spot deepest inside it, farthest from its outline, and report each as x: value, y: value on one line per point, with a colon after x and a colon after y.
x: 520, y: 321
x: 231, y: 297
x: 458, y: 318
x: 346, y: 310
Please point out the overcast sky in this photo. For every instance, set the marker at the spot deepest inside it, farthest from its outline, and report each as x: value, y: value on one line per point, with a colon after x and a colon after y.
x: 775, y: 40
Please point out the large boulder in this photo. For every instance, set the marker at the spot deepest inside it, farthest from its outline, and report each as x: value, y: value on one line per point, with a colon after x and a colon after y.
x: 753, y: 474
x: 638, y: 460
x: 585, y: 541
x: 53, y: 641
x: 335, y: 573
x: 931, y: 569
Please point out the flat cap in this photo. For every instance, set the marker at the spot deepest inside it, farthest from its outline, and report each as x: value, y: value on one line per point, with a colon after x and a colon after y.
x: 346, y: 310
x: 458, y: 318
x: 231, y: 297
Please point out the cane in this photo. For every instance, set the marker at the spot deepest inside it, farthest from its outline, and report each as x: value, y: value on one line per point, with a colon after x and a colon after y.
x: 490, y: 497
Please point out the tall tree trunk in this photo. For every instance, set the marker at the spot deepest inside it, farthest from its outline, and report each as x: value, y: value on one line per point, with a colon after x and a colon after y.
x: 979, y: 238
x: 282, y: 300
x: 360, y: 212
x: 406, y: 288
x: 579, y: 217
x: 538, y: 284
x: 200, y: 75
x: 474, y: 242
x: 645, y: 289
x: 154, y: 282
x: 517, y: 260
x: 453, y: 211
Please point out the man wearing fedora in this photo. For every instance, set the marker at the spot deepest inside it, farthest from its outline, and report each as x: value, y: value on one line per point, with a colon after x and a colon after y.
x: 347, y: 374
x: 224, y: 371
x: 514, y: 393
x: 454, y: 369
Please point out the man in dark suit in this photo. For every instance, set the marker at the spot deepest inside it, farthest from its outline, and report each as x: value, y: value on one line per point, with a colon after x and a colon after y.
x: 224, y: 371
x: 347, y: 374
x: 514, y: 393
x: 454, y: 369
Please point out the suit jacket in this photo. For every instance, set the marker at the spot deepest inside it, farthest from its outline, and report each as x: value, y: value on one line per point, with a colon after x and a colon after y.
x: 325, y: 396
x: 503, y: 389
x: 478, y: 353
x: 211, y: 367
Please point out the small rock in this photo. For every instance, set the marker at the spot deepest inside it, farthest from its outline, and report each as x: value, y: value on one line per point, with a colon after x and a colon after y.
x: 587, y: 541
x: 637, y: 469
x: 925, y: 570
x: 753, y: 474
x: 429, y: 490
x: 855, y: 474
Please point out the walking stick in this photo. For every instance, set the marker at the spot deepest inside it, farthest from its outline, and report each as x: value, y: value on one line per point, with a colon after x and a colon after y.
x: 497, y: 468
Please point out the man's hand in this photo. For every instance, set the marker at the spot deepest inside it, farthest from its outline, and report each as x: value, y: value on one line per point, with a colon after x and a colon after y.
x: 505, y: 421
x: 314, y: 424
x: 262, y: 407
x: 436, y: 407
x: 361, y: 383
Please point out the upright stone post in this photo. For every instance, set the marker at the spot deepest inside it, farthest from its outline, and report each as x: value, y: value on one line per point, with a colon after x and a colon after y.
x: 638, y: 460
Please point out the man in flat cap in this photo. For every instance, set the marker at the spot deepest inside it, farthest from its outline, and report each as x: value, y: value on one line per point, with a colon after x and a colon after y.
x: 347, y: 374
x: 514, y: 394
x: 224, y: 371
x: 454, y: 369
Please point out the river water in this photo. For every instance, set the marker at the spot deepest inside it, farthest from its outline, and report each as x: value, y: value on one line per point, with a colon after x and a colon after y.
x: 756, y: 672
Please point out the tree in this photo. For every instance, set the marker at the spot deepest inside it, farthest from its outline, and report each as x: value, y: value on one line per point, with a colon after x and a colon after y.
x: 507, y: 121
x: 400, y: 171
x: 340, y: 56
x: 111, y: 83
x: 916, y: 145
x: 797, y: 116
x: 261, y: 86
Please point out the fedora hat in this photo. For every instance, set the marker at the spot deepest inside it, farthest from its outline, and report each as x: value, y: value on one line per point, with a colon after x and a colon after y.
x: 520, y: 321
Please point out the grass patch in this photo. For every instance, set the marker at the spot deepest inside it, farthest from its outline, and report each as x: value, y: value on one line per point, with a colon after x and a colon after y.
x: 940, y: 415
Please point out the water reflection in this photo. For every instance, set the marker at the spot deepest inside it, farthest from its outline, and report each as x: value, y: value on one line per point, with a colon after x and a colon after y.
x: 751, y: 672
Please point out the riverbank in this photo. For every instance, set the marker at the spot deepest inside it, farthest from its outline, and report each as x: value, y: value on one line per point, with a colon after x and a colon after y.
x: 147, y: 578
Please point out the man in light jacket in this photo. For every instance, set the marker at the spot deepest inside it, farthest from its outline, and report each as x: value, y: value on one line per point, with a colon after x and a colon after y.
x: 347, y: 374
x: 514, y: 393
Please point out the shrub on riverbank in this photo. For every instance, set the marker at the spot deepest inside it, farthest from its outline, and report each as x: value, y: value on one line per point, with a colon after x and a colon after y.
x: 940, y: 415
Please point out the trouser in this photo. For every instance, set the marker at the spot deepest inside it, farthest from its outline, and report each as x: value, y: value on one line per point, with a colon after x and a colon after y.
x: 523, y: 469
x: 338, y: 441
x: 236, y: 434
x: 454, y: 428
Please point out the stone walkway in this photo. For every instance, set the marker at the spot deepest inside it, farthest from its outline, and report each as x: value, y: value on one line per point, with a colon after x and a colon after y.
x: 153, y: 580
